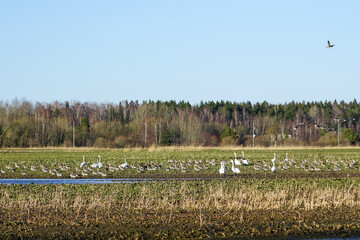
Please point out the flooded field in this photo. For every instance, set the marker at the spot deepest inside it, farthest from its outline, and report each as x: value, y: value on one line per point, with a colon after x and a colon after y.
x: 88, y: 180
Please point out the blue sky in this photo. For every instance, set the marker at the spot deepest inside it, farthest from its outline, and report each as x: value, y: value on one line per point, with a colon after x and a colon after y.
x: 109, y: 51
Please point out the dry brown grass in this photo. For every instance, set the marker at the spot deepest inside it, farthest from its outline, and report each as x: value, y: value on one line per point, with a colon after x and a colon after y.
x: 232, y: 208
x: 154, y: 148
x: 214, y: 197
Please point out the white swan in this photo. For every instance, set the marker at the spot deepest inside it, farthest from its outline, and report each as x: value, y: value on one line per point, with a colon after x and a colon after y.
x: 286, y: 159
x: 83, y: 164
x: 233, y: 168
x: 95, y: 165
x: 222, y: 168
x: 244, y: 161
x: 273, y: 168
x: 237, y: 162
x: 125, y: 164
x: 100, y: 165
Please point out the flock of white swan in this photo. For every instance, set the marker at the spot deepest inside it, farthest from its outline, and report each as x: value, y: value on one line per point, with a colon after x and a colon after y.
x: 236, y: 164
x: 242, y: 161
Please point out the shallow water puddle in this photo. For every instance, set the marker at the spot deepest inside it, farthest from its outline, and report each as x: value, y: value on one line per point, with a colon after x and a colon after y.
x: 89, y: 181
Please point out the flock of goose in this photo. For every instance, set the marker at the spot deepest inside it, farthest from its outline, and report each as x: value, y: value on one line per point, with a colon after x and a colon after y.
x: 100, y: 169
x: 83, y: 171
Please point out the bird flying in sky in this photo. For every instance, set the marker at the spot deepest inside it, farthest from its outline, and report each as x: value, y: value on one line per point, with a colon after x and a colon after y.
x: 329, y: 45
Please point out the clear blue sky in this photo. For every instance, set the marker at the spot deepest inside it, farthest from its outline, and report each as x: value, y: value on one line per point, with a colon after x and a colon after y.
x: 109, y: 51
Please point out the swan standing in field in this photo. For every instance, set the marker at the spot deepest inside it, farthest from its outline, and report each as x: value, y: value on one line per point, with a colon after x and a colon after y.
x: 273, y: 168
x: 222, y: 168
x: 237, y: 162
x: 95, y: 165
x: 233, y: 168
x: 286, y: 159
x: 244, y: 161
x: 125, y: 164
x: 100, y: 165
x: 83, y: 164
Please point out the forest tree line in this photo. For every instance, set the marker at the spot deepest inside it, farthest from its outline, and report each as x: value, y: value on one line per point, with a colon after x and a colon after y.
x: 167, y: 123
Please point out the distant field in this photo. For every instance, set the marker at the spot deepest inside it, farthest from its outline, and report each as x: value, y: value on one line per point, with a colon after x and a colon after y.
x: 314, y: 193
x: 52, y: 163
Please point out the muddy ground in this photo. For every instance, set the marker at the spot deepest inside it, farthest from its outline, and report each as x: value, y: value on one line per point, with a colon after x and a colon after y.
x: 177, y: 224
x: 118, y: 223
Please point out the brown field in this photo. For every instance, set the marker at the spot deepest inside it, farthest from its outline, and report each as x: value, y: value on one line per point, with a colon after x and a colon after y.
x: 253, y: 205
